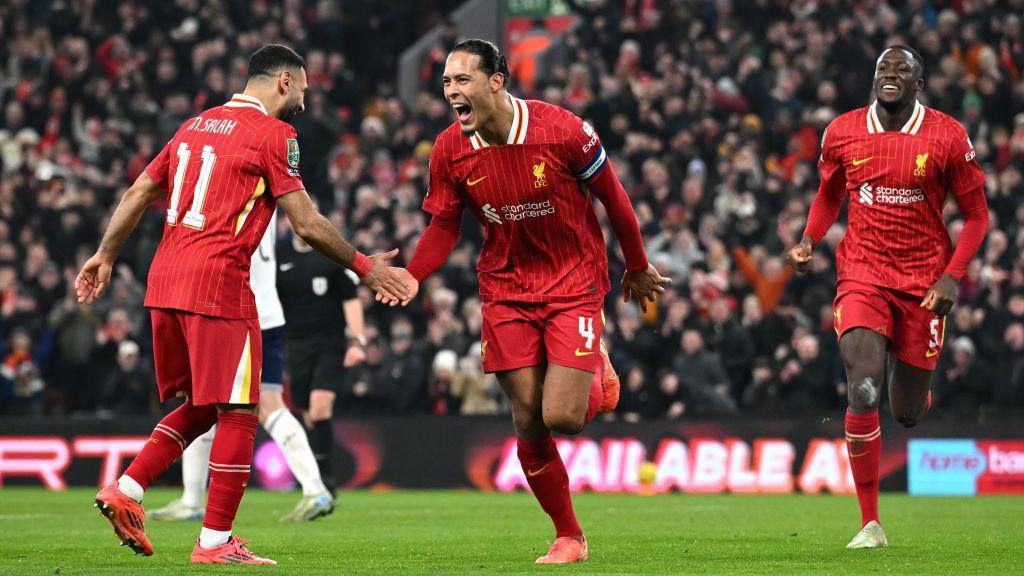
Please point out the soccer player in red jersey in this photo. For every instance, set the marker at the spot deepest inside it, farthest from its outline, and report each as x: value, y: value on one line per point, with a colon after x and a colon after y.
x: 897, y: 160
x: 527, y: 171
x: 226, y: 169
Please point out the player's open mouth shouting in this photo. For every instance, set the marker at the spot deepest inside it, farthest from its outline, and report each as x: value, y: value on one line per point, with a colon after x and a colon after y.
x: 464, y: 112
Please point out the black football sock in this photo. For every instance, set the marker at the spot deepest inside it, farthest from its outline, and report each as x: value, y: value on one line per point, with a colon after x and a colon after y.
x: 321, y: 440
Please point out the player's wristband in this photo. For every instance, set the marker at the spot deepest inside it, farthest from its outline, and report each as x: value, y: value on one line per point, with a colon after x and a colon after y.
x: 362, y: 264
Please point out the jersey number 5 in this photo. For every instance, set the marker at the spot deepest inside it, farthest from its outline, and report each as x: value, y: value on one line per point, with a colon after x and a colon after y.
x: 933, y: 327
x: 194, y: 218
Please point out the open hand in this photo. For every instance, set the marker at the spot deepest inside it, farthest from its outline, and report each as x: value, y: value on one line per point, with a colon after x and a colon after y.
x: 643, y: 285
x: 412, y: 287
x: 382, y: 280
x: 93, y: 279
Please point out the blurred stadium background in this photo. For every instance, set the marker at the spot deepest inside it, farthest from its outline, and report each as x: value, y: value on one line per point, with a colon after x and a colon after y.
x: 712, y: 112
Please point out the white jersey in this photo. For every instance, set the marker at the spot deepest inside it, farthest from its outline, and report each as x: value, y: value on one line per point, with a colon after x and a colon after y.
x: 263, y: 279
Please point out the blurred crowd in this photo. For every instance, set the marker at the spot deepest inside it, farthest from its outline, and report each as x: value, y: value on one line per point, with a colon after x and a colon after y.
x: 711, y: 111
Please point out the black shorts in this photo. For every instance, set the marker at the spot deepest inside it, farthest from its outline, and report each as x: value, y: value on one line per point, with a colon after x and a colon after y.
x: 314, y: 364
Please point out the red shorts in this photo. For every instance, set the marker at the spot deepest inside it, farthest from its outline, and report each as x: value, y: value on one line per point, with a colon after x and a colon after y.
x: 212, y: 360
x: 519, y: 334
x: 916, y: 333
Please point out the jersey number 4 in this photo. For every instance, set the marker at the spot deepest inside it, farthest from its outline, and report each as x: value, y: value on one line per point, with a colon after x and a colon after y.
x: 194, y: 218
x: 587, y: 330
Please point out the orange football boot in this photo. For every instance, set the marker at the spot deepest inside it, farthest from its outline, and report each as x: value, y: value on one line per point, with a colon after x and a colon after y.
x: 126, y: 516
x: 609, y: 383
x: 234, y: 551
x: 566, y: 550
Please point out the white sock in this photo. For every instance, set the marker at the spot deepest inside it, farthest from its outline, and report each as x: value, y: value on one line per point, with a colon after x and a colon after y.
x: 212, y: 538
x: 290, y: 436
x: 195, y: 467
x: 130, y: 488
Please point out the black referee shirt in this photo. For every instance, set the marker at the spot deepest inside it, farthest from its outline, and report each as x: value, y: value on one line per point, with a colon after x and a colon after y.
x: 312, y: 290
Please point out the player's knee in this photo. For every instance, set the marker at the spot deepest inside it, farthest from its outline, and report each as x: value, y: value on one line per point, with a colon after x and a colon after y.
x: 564, y: 422
x: 526, y: 415
x: 863, y: 351
x: 270, y: 402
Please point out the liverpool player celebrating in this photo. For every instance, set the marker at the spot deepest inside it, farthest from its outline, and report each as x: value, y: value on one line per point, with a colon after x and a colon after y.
x: 526, y: 171
x: 897, y: 160
x: 275, y: 417
x: 225, y: 170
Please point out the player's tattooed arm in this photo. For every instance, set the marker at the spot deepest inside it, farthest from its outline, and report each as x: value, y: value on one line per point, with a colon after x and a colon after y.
x: 319, y: 233
x: 94, y: 277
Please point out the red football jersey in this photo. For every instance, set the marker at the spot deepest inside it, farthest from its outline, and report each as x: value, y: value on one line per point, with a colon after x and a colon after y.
x: 543, y: 243
x: 218, y: 169
x: 897, y: 183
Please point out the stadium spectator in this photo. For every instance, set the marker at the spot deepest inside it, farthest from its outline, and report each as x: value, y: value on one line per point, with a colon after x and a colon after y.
x: 703, y: 381
x: 712, y: 122
x: 964, y: 385
x: 21, y: 386
x: 128, y: 389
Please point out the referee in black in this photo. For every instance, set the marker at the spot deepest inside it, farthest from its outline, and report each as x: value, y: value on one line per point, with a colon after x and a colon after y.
x: 319, y: 299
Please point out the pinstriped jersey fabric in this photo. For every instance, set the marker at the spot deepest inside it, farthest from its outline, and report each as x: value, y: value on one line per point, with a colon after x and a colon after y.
x: 543, y: 241
x: 897, y: 183
x: 223, y: 171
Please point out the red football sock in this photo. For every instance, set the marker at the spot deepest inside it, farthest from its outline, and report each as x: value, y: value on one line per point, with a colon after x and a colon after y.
x: 864, y: 445
x: 170, y: 437
x: 595, y: 398
x: 546, y: 475
x: 230, y: 459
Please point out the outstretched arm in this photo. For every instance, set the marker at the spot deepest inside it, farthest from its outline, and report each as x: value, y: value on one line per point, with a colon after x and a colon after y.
x: 432, y: 250
x: 318, y: 231
x: 435, y: 245
x: 94, y: 277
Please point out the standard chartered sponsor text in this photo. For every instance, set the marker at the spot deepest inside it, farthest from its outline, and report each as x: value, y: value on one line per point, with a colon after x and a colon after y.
x: 888, y: 195
x: 517, y: 212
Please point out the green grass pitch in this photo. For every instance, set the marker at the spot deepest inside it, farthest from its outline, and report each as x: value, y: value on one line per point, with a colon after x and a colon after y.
x: 445, y: 532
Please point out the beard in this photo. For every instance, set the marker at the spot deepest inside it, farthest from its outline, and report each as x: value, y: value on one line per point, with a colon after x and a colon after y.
x: 289, y: 111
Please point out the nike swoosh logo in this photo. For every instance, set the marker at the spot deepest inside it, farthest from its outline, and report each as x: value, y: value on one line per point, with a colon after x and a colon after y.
x: 858, y: 455
x: 287, y: 267
x: 578, y: 353
x: 532, y: 473
x: 477, y: 181
x: 859, y: 162
x: 931, y: 353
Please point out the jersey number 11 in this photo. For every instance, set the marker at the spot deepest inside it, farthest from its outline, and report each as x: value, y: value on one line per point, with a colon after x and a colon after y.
x: 194, y: 218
